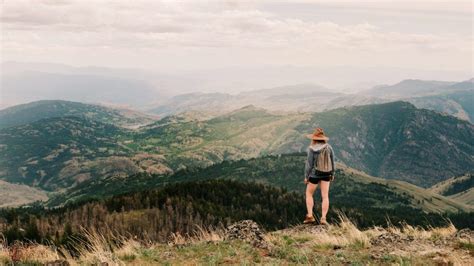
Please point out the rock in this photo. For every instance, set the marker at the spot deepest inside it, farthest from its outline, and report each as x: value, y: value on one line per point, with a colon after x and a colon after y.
x: 248, y: 231
x: 376, y: 256
x: 388, y: 239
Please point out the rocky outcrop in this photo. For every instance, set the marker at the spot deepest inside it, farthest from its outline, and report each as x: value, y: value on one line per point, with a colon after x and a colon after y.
x: 390, y: 239
x: 248, y: 231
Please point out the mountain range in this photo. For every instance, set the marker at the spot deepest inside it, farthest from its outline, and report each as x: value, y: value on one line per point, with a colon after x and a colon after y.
x: 393, y: 140
x: 206, y: 90
x: 454, y: 98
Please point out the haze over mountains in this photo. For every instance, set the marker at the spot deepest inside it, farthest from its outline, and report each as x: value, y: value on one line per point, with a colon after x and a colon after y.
x: 454, y: 98
x: 226, y: 89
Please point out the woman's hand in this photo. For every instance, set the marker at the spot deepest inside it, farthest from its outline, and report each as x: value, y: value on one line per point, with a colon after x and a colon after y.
x: 306, y: 180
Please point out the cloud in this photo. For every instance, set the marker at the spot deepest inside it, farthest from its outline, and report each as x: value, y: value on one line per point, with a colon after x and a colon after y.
x: 157, y: 25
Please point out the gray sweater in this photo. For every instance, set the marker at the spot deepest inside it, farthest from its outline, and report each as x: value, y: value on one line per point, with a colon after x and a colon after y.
x: 313, y: 152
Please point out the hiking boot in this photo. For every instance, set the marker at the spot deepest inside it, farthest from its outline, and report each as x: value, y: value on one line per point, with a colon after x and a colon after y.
x: 309, y: 220
x: 323, y: 221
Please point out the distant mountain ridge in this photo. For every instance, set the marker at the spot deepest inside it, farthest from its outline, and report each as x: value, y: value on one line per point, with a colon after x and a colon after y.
x: 408, y: 88
x: 301, y: 97
x: 453, y: 98
x: 34, y: 111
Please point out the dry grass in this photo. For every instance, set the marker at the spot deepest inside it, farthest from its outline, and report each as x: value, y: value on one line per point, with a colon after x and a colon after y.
x: 200, y: 235
x: 337, y: 244
x: 29, y: 252
x: 342, y: 234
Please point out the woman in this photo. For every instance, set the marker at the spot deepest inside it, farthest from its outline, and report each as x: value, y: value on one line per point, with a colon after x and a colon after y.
x: 320, y: 152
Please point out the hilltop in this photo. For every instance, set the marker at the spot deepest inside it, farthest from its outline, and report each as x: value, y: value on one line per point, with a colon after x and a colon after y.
x: 38, y: 110
x: 245, y: 243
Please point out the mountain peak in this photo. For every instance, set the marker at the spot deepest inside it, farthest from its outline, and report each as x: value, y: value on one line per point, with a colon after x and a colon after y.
x: 37, y: 110
x: 249, y: 109
x: 420, y: 82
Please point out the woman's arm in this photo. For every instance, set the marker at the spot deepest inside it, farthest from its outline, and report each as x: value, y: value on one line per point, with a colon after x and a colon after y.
x: 309, y: 163
x: 332, y: 161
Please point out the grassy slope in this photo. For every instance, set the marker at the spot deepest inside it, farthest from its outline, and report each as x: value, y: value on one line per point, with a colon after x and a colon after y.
x: 444, y: 186
x: 422, y: 198
x: 466, y: 197
x: 458, y: 188
x: 242, y: 134
x: 12, y: 195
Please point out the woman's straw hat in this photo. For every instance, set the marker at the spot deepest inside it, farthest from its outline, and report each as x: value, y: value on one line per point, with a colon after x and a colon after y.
x: 318, y: 135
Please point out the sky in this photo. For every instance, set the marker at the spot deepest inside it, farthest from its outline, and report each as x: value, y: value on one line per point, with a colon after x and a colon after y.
x: 173, y: 36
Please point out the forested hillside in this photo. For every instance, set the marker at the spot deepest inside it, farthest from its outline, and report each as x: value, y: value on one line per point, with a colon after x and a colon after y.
x: 60, y: 152
x: 157, y: 214
x: 350, y: 189
x: 182, y: 208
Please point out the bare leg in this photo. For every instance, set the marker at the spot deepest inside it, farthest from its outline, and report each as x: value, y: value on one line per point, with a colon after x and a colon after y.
x: 325, y: 198
x: 310, y: 188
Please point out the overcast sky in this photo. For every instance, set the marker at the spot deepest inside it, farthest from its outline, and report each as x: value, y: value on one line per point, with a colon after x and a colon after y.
x: 175, y: 35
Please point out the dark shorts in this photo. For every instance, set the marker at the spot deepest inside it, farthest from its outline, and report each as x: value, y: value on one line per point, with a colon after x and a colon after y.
x: 316, y: 180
